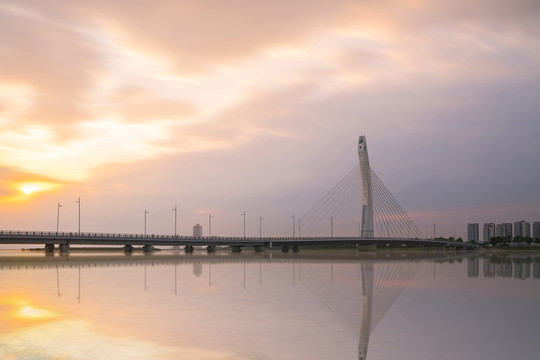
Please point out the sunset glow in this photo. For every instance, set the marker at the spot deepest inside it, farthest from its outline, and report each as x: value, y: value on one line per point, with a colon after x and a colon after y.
x: 33, y: 187
x: 154, y: 105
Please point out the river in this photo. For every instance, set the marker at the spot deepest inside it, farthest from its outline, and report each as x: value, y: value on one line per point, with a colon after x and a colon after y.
x: 272, y: 305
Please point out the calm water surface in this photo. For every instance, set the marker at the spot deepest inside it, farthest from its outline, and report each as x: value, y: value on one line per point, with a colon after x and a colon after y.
x: 310, y: 305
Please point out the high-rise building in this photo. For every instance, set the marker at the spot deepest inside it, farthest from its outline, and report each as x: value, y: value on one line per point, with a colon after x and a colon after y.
x: 489, y: 232
x: 522, y: 228
x: 506, y: 230
x: 498, y: 230
x: 503, y: 230
x: 197, y: 231
x: 472, y: 232
x: 536, y: 230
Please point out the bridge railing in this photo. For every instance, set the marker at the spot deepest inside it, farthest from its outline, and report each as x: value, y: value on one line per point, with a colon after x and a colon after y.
x: 25, y: 233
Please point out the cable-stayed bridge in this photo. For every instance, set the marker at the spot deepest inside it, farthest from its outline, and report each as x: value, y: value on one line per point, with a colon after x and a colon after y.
x: 359, y: 210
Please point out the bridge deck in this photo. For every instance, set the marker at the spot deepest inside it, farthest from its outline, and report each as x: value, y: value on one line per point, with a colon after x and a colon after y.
x: 42, y: 237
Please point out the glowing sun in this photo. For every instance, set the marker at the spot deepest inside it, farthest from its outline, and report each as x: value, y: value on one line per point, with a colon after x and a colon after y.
x: 30, y: 188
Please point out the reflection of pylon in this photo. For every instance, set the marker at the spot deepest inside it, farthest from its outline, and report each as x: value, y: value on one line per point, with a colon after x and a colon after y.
x: 367, y: 302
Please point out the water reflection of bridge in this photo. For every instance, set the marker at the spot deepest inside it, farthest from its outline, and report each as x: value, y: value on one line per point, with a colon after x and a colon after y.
x: 381, y: 277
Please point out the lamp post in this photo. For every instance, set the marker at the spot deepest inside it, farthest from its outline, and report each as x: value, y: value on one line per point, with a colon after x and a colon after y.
x: 58, y: 217
x: 244, y: 215
x: 210, y: 216
x: 145, y: 212
x: 79, y: 202
x: 293, y: 225
x: 175, y: 218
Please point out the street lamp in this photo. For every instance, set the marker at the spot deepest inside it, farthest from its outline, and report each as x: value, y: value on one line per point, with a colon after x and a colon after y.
x: 79, y: 202
x: 175, y: 217
x: 293, y: 225
x: 145, y: 212
x: 210, y: 216
x: 244, y: 215
x: 58, y: 217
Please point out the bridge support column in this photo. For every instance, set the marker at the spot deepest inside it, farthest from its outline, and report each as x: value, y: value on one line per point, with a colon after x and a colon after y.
x: 128, y: 249
x: 296, y: 248
x: 64, y: 248
x: 188, y: 249
x: 49, y: 248
x: 148, y: 248
x: 284, y: 249
x: 211, y: 249
x: 236, y: 248
x: 260, y: 248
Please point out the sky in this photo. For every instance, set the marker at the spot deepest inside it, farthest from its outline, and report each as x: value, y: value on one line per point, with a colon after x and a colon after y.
x: 231, y: 106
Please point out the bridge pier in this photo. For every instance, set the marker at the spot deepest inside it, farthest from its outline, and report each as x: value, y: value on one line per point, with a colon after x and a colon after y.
x: 189, y: 249
x: 148, y: 248
x: 128, y: 249
x: 64, y: 248
x: 236, y: 248
x: 260, y: 248
x: 296, y: 248
x: 211, y: 249
x: 285, y: 249
x: 49, y: 248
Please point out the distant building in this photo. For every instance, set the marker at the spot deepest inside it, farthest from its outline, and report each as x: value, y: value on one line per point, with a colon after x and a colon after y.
x: 197, y: 231
x: 522, y: 228
x: 536, y: 230
x: 489, y: 232
x: 472, y: 232
x: 503, y: 230
x: 506, y: 230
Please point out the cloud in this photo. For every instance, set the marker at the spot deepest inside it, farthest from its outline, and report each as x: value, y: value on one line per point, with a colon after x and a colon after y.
x: 278, y: 86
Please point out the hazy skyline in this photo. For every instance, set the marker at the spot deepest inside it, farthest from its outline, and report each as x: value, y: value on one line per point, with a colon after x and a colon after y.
x: 232, y: 106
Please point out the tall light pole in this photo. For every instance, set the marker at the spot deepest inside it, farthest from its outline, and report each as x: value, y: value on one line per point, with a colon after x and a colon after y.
x: 244, y: 215
x: 260, y: 226
x: 299, y: 228
x: 145, y: 212
x: 293, y: 225
x: 175, y: 217
x: 79, y: 202
x: 58, y: 217
x: 210, y: 216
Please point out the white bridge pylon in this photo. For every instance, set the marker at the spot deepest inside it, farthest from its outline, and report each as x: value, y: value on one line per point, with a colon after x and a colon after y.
x: 358, y: 205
